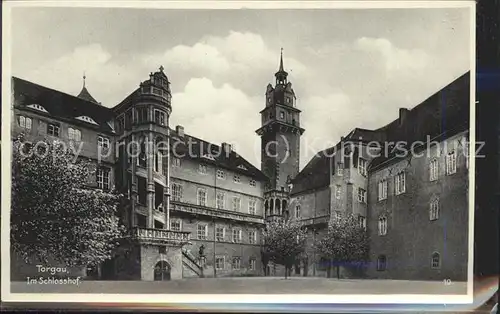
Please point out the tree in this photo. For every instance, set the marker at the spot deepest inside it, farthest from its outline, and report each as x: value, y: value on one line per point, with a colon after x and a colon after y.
x: 346, y: 242
x: 54, y: 213
x: 284, y: 243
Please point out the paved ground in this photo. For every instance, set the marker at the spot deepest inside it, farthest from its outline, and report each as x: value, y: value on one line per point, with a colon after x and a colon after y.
x: 250, y: 285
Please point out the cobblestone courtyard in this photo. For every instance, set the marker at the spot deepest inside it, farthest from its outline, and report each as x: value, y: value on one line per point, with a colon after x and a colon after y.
x: 252, y: 285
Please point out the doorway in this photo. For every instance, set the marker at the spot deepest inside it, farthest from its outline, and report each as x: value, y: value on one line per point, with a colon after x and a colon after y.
x: 162, y: 271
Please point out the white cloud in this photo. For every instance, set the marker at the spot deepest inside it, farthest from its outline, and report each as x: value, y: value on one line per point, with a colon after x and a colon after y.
x: 395, y: 58
x: 217, y: 115
x: 107, y: 81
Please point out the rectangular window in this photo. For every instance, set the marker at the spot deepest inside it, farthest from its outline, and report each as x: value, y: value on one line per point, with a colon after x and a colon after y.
x: 176, y: 192
x: 252, y: 263
x: 252, y: 182
x: 202, y: 232
x: 220, y: 200
x: 382, y: 225
x: 53, y: 129
x: 282, y: 115
x: 362, y: 165
x: 141, y: 114
x: 252, y: 237
x: 361, y: 195
x: 202, y: 197
x: 400, y: 183
x: 175, y: 225
x: 103, y: 178
x: 381, y: 263
x: 236, y: 203
x: 202, y: 168
x: 237, y: 178
x: 159, y: 117
x: 221, y: 175
x: 103, y: 142
x: 25, y: 122
x: 141, y: 189
x: 220, y: 233
x: 382, y: 190
x: 451, y: 163
x: 362, y: 222
x: 176, y: 162
x: 340, y: 169
x: 434, y: 209
x: 74, y: 134
x: 297, y: 211
x: 252, y: 207
x: 433, y: 170
x: 219, y: 262
x: 128, y: 119
x: 338, y: 191
x: 120, y: 124
x: 236, y: 263
x: 236, y: 235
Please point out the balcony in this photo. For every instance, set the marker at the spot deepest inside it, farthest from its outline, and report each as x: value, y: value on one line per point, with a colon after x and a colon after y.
x: 160, y: 236
x: 316, y: 220
x: 209, y: 212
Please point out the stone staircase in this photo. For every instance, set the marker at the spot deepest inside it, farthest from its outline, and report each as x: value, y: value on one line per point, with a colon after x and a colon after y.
x: 190, y: 264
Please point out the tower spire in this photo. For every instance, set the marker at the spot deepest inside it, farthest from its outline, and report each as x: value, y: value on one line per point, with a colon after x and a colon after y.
x: 84, y: 77
x: 281, y: 61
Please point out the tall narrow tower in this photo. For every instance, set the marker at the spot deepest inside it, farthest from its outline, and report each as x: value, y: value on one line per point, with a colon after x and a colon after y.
x: 280, y: 133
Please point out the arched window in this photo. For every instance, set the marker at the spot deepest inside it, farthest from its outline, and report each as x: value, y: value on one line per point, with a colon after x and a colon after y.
x: 141, y: 160
x: 158, y: 156
x: 435, y: 260
x: 381, y: 263
x: 382, y: 225
x: 284, y: 205
x: 266, y: 207
x: 271, y: 207
x: 278, y: 207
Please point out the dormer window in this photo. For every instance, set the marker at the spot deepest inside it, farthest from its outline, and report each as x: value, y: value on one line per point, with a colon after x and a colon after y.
x: 208, y: 156
x: 242, y: 167
x: 86, y: 119
x: 37, y: 107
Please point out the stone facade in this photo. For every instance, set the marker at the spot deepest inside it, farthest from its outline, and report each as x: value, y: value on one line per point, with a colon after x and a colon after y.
x: 202, y: 214
x: 346, y: 179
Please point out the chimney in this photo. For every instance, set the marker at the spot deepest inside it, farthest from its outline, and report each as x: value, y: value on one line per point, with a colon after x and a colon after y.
x: 179, y: 130
x: 403, y: 114
x: 226, y: 147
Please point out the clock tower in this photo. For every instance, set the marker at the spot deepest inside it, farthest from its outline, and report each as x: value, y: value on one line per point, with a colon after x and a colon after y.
x: 280, y: 143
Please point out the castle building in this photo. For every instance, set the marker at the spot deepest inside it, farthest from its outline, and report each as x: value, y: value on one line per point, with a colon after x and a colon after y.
x: 185, y: 193
x: 407, y: 182
x: 197, y: 209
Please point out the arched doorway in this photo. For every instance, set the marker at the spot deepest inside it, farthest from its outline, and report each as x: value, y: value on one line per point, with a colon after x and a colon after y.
x: 162, y: 271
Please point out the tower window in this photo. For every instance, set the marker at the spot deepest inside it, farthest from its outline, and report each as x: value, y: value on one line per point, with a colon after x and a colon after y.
x: 282, y: 115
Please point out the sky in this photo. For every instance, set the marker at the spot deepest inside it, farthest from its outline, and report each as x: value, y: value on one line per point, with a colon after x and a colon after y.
x: 349, y: 68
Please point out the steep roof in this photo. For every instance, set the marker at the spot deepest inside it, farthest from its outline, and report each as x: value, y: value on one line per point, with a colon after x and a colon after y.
x: 61, y: 105
x: 85, y: 95
x: 443, y: 114
x: 316, y: 173
x: 198, y: 149
x: 440, y: 116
